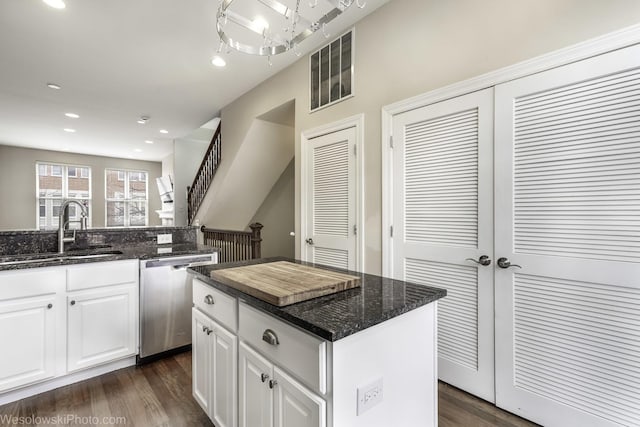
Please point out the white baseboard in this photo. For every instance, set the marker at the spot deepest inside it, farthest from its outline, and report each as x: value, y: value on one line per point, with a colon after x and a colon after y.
x: 32, y: 390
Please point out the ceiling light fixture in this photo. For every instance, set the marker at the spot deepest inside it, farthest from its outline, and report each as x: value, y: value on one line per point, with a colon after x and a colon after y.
x: 143, y: 120
x: 69, y: 130
x: 54, y: 86
x: 292, y: 26
x: 56, y: 4
x: 218, y: 62
x: 148, y: 141
x: 164, y: 131
x: 72, y: 115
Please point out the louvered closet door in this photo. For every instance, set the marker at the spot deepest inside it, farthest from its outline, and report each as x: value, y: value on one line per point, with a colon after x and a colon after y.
x: 442, y: 215
x: 331, y: 209
x: 568, y: 212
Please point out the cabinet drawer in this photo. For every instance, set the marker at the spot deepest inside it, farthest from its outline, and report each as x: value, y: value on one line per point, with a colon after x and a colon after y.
x: 296, y: 351
x: 95, y: 275
x: 31, y: 282
x: 217, y: 305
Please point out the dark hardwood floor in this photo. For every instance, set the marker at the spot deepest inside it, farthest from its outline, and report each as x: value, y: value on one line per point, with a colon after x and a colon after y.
x: 159, y: 394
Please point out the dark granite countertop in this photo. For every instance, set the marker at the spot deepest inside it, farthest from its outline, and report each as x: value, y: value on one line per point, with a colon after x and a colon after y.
x: 127, y: 251
x: 339, y: 315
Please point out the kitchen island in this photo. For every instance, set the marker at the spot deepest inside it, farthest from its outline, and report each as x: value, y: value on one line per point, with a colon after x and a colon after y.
x: 361, y: 357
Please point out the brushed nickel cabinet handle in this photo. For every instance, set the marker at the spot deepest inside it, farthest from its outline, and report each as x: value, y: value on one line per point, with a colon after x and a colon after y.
x: 49, y: 305
x: 270, y: 337
x: 272, y: 383
x: 209, y: 300
x: 264, y: 377
x: 73, y: 302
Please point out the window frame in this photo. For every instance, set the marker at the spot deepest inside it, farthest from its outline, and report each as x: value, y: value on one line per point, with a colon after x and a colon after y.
x: 49, y: 201
x: 127, y: 200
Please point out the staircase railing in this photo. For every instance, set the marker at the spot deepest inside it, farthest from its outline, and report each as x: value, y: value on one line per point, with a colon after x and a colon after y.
x: 206, y: 172
x: 235, y: 245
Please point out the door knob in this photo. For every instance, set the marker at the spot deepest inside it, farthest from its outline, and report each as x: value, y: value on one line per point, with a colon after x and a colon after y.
x: 483, y: 260
x: 505, y: 263
x: 309, y: 241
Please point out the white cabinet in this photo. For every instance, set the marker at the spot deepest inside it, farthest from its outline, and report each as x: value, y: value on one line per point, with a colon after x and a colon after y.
x: 60, y: 320
x: 214, y: 369
x: 256, y: 399
x: 28, y: 337
x: 270, y: 397
x: 101, y: 326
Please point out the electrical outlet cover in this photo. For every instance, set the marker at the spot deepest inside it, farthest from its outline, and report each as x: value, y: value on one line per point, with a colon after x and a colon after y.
x: 369, y: 396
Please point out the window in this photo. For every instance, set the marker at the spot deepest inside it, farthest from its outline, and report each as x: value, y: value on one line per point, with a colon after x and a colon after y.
x: 331, y: 74
x: 55, y: 183
x: 126, y: 198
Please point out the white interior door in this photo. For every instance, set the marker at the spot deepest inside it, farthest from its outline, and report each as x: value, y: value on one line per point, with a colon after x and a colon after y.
x: 568, y: 212
x: 443, y: 220
x: 331, y: 216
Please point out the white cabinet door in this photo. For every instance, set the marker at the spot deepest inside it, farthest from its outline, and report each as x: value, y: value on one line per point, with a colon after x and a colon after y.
x: 256, y: 399
x: 101, y: 326
x: 568, y: 213
x: 331, y: 200
x: 201, y: 364
x: 294, y: 405
x: 28, y: 337
x: 442, y: 219
x: 225, y: 374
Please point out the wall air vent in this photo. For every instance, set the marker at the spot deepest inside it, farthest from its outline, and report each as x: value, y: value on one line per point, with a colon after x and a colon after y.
x: 331, y: 72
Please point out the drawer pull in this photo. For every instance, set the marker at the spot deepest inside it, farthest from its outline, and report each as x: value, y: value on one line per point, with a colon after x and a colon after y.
x: 272, y: 383
x: 209, y: 300
x: 270, y: 337
x: 264, y: 377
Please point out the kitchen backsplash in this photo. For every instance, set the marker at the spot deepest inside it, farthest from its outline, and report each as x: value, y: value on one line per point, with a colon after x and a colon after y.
x: 25, y: 242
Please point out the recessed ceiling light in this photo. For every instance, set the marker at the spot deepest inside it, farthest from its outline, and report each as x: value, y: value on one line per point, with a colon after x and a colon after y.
x: 164, y: 131
x: 54, y: 86
x: 72, y: 115
x: 69, y: 130
x: 143, y: 120
x: 56, y: 4
x: 218, y: 62
x: 137, y: 150
x: 148, y: 141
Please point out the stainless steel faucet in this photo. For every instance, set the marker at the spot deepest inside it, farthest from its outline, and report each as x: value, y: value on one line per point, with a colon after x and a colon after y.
x: 62, y: 224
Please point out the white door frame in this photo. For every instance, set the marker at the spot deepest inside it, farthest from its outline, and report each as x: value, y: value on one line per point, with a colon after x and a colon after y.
x: 599, y: 45
x: 356, y: 122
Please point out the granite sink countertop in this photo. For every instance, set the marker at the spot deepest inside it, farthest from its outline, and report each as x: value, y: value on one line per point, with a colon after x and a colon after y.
x: 100, y: 253
x: 338, y: 315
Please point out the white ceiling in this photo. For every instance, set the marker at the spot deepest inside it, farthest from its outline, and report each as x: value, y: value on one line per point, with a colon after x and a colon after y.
x: 117, y: 60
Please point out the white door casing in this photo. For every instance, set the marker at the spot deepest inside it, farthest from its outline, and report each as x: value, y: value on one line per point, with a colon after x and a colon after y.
x: 442, y: 220
x: 332, y: 197
x: 568, y: 212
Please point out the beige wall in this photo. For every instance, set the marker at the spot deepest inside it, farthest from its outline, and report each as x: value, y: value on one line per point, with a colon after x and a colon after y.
x: 408, y: 47
x: 276, y: 214
x: 18, y: 184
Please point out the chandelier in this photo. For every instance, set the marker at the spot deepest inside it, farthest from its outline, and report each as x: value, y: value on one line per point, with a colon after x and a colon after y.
x: 271, y: 27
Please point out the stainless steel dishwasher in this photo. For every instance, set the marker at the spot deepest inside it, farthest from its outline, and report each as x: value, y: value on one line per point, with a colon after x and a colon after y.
x: 165, y: 304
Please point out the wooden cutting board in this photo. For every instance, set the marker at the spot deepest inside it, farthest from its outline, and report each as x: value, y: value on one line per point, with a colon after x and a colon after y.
x: 282, y: 283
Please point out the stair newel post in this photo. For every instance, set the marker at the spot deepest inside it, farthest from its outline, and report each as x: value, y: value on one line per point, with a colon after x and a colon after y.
x: 255, y: 240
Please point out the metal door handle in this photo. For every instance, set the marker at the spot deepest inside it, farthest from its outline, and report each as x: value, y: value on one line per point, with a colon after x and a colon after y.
x: 483, y: 260
x: 309, y: 241
x: 264, y: 377
x: 270, y: 337
x: 272, y: 383
x: 209, y: 300
x: 505, y: 263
